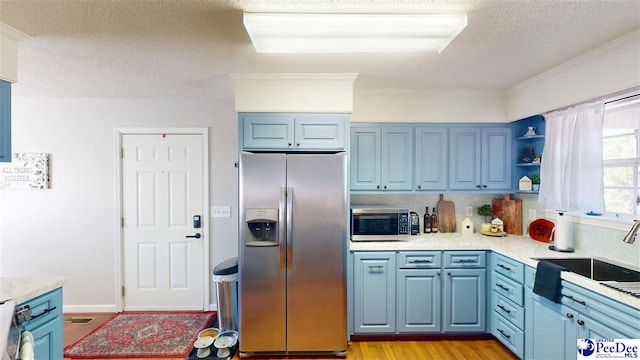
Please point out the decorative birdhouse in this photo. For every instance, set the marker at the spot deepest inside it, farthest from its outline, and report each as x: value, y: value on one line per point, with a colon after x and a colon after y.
x: 524, y: 184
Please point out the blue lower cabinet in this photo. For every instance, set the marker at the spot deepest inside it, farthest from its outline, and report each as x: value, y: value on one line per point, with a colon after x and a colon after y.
x: 419, y: 305
x: 46, y: 324
x: 553, y: 330
x: 374, y: 307
x: 508, y: 334
x: 464, y: 301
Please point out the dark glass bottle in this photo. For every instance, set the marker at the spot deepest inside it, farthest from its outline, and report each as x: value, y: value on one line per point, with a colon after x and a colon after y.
x: 434, y: 221
x: 427, y: 221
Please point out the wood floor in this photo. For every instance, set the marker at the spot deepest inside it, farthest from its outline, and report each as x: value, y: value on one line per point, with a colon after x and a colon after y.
x: 440, y: 349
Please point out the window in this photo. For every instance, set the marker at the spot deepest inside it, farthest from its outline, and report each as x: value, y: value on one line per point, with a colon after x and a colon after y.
x: 621, y: 155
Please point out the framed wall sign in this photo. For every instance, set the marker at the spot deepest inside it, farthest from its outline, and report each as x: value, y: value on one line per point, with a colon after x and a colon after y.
x: 25, y: 171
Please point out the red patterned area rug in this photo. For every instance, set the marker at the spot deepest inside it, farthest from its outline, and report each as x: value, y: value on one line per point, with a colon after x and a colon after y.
x: 142, y: 335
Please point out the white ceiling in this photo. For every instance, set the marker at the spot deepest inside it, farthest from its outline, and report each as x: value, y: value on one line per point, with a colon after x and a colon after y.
x: 186, y: 49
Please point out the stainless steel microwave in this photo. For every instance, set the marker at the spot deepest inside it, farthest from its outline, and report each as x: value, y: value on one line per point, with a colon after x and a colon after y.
x: 379, y: 223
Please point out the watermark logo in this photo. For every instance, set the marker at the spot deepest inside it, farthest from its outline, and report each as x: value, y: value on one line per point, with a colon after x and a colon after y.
x: 589, y: 349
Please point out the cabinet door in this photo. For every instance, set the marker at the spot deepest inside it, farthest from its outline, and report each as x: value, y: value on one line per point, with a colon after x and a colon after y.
x: 5, y: 121
x: 46, y: 325
x: 552, y: 331
x: 374, y: 292
x: 47, y: 339
x: 496, y: 158
x: 419, y: 294
x: 432, y: 148
x: 397, y: 158
x: 464, y: 158
x: 464, y: 300
x: 319, y: 131
x: 365, y: 158
x: 267, y: 131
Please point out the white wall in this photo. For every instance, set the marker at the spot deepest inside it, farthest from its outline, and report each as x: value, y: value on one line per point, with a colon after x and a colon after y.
x: 435, y: 105
x: 68, y: 230
x: 605, y: 70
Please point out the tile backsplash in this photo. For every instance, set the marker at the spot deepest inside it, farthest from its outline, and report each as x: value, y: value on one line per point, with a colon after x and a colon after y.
x: 596, y: 241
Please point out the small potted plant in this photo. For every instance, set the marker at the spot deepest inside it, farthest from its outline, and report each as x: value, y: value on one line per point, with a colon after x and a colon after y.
x: 486, y: 211
x: 535, y: 182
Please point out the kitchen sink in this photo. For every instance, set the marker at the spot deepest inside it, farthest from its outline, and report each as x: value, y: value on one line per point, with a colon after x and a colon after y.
x: 595, y: 269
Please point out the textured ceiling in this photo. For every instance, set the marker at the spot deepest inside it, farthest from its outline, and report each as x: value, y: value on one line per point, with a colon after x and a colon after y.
x: 186, y: 49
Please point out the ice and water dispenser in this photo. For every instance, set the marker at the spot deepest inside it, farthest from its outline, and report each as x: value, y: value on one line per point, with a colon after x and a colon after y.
x: 263, y: 227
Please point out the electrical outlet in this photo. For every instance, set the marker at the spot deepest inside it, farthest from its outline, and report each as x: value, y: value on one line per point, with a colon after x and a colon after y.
x: 221, y: 211
x: 532, y: 214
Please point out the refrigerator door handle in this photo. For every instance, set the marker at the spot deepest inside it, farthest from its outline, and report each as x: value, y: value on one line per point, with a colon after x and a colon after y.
x: 281, y: 225
x: 289, y: 227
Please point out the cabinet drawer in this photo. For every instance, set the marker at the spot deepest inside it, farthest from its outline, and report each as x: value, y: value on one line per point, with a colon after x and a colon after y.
x: 509, y: 335
x: 508, y: 288
x: 44, y: 308
x: 508, y: 310
x: 419, y: 259
x: 464, y: 259
x: 508, y: 267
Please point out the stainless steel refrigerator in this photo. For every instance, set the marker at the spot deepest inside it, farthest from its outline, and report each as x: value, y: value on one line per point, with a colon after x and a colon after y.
x: 293, y: 233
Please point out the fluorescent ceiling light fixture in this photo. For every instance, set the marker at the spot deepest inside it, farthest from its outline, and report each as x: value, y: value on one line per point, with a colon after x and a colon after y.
x: 352, y: 33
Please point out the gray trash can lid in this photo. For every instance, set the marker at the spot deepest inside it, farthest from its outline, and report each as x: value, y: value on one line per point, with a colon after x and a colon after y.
x: 227, y: 267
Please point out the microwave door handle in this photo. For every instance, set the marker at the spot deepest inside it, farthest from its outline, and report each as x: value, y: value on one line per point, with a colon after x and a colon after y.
x: 289, y: 227
x: 281, y: 225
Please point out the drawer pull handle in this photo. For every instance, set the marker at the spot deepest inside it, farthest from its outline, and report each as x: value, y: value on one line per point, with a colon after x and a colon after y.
x: 23, y: 314
x: 570, y: 315
x: 504, y: 334
x: 421, y: 261
x: 504, y: 267
x: 504, y: 309
x: 376, y: 267
x: 465, y: 261
x: 583, y: 303
x: 502, y: 287
x: 43, y: 313
x: 580, y: 322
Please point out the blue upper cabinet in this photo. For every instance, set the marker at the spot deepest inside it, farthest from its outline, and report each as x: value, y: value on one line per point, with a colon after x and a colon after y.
x: 397, y: 158
x: 381, y: 158
x: 5, y: 121
x: 365, y: 158
x: 480, y: 158
x: 431, y: 158
x: 527, y: 148
x: 496, y: 158
x: 293, y: 132
x: 464, y: 163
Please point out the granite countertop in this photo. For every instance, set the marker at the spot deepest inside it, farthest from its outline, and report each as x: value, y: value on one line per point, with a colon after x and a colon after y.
x: 521, y: 248
x: 21, y: 289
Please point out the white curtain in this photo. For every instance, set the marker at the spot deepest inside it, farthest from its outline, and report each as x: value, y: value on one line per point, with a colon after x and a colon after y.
x: 571, y: 167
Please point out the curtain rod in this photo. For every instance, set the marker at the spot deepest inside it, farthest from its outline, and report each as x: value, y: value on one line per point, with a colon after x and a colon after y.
x: 613, y: 97
x: 622, y: 98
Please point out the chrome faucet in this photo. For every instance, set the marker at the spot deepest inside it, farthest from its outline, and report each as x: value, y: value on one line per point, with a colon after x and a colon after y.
x: 631, y: 236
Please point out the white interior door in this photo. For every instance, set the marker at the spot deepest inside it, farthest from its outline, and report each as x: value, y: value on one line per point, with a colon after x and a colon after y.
x: 162, y: 191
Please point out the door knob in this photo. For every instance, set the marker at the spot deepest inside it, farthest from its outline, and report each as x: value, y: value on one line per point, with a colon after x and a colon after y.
x: 196, y: 236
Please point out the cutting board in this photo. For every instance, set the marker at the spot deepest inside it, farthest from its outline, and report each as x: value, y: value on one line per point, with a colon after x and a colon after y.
x: 446, y: 215
x: 510, y: 212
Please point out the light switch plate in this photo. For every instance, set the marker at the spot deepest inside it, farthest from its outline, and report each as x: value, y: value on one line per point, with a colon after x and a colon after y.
x: 220, y: 211
x: 532, y: 214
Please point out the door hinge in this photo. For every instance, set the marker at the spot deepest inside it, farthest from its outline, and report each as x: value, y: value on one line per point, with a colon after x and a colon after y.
x: 122, y: 291
x: 121, y: 153
x: 122, y: 221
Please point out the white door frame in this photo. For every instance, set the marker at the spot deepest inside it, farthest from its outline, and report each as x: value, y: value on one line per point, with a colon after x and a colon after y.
x: 118, y: 133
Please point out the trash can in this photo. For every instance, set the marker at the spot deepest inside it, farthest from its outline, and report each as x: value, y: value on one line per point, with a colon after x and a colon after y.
x: 225, y: 276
